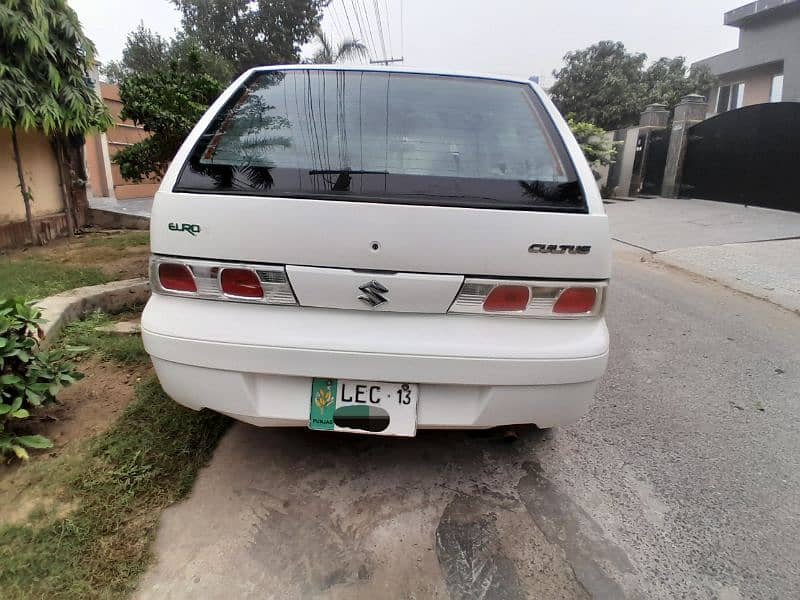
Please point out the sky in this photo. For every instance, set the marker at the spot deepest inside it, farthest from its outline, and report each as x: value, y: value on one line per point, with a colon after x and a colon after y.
x: 509, y: 37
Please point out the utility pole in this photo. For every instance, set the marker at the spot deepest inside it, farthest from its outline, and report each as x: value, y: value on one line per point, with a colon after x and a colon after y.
x: 386, y: 61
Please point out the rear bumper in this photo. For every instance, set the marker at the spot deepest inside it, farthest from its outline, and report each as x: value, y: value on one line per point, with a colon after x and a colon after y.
x: 256, y: 362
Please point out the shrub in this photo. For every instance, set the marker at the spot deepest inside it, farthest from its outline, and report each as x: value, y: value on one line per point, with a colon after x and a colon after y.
x: 597, y: 148
x: 29, y: 376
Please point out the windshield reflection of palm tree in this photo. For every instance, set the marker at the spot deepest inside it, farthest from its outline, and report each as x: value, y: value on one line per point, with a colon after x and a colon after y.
x: 326, y: 172
x: 550, y: 191
x: 253, y: 145
x: 328, y: 53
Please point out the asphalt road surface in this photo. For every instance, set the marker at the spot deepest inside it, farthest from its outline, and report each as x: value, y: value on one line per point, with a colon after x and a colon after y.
x: 682, y: 482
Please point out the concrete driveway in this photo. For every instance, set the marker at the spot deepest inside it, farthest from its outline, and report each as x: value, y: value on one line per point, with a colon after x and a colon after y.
x: 683, y: 481
x: 662, y: 224
x: 750, y: 249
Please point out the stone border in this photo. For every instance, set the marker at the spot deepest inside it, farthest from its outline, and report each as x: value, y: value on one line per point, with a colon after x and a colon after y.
x: 781, y: 298
x: 63, y: 308
x: 106, y: 219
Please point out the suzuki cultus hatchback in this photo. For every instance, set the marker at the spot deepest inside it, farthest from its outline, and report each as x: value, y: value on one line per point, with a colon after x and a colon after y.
x: 377, y: 250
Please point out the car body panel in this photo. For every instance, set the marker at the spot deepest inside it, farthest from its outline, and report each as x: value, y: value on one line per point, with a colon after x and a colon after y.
x: 256, y: 361
x: 412, y: 239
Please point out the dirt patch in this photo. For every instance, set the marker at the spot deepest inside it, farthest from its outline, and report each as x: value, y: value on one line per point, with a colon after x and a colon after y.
x: 84, y: 410
x: 21, y: 506
x: 90, y: 406
x: 127, y: 267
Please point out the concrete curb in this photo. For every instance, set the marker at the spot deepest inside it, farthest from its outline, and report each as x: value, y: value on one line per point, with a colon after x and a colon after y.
x: 117, y: 220
x: 63, y: 308
x: 782, y: 298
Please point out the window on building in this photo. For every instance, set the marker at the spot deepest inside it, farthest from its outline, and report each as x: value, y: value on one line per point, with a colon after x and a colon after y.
x: 730, y: 97
x: 776, y: 89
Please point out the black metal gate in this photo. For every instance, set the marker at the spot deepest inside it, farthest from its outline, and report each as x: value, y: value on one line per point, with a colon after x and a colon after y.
x: 655, y: 161
x: 747, y: 156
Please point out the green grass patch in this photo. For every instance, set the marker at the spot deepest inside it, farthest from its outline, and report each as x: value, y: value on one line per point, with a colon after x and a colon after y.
x: 122, y: 349
x: 147, y: 461
x: 33, y: 278
x: 100, y: 500
x: 120, y: 241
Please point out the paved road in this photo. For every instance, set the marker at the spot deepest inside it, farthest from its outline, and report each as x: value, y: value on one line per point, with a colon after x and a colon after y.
x: 683, y: 481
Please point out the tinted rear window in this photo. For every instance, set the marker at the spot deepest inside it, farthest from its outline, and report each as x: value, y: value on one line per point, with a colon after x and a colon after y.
x: 385, y: 137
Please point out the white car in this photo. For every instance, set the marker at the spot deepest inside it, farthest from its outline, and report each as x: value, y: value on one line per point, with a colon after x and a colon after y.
x: 379, y: 250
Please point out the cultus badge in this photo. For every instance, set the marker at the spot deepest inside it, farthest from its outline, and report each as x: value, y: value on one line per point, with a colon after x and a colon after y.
x: 558, y: 249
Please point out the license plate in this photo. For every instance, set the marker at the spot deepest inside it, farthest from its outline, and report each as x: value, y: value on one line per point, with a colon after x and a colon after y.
x: 373, y: 407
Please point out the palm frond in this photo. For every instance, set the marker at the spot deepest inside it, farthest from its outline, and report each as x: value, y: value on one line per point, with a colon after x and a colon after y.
x: 324, y: 55
x: 350, y: 48
x: 347, y: 49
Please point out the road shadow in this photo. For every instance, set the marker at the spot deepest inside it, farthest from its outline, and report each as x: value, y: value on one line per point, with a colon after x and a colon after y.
x: 314, y: 514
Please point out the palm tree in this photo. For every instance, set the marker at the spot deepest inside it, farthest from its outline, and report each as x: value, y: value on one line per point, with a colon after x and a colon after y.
x: 44, y: 83
x: 346, y: 49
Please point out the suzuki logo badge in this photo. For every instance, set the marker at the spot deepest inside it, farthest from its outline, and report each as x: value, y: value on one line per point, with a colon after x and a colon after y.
x: 373, y: 293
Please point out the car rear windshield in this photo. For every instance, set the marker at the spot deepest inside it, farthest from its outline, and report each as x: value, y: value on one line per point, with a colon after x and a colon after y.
x: 385, y: 137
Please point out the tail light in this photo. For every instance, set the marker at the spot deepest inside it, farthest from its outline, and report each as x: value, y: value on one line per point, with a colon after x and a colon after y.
x: 507, y: 298
x: 241, y: 283
x: 575, y: 301
x: 544, y: 299
x: 264, y: 284
x: 176, y: 277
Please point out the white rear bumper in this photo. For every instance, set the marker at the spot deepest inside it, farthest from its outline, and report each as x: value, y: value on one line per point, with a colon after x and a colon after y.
x: 256, y: 362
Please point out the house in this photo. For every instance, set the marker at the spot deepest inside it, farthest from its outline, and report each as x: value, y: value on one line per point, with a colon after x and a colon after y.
x: 105, y: 179
x: 766, y: 65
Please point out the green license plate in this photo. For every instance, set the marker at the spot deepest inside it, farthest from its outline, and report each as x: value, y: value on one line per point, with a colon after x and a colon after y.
x: 373, y: 407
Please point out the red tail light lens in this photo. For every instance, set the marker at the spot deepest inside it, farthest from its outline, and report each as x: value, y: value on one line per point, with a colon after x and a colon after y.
x: 507, y: 298
x: 243, y: 283
x: 176, y: 277
x: 575, y: 301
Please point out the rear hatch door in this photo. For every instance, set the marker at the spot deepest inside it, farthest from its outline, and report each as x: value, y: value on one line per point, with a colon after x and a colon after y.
x: 409, y: 182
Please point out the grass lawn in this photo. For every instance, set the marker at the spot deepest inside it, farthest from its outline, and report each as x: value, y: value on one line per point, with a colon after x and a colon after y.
x: 93, y: 508
x: 34, y: 278
x: 120, y: 241
x: 88, y: 259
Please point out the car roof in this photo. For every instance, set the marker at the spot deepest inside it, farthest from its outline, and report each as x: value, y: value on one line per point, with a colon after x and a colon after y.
x: 393, y: 69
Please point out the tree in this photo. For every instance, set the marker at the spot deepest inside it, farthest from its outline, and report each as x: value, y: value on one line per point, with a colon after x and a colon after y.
x: 600, y: 85
x: 144, y: 51
x: 346, y: 49
x: 251, y: 33
x: 185, y: 50
x: 606, y: 85
x: 44, y: 61
x: 167, y: 103
x: 147, y: 52
x: 667, y: 81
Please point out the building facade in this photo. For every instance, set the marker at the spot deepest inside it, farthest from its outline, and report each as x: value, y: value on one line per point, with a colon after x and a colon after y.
x: 105, y: 179
x: 766, y: 65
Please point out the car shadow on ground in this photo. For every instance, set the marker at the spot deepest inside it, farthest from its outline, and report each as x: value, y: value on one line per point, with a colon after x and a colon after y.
x: 446, y: 514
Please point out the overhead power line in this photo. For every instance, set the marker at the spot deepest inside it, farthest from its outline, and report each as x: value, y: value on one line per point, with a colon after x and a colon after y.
x: 370, y: 26
x: 389, y: 57
x: 388, y: 26
x: 347, y: 15
x: 361, y: 10
x: 362, y: 37
x: 402, y: 33
x: 380, y: 28
x: 336, y: 21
